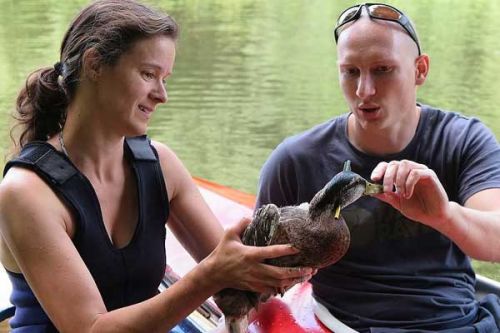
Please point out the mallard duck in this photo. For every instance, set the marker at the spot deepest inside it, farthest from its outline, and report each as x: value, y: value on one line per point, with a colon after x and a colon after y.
x: 317, y: 229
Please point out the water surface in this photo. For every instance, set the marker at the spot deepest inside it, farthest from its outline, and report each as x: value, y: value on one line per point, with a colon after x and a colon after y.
x: 252, y: 72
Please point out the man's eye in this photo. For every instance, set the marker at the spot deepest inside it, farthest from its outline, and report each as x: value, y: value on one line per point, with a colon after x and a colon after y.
x: 148, y: 75
x: 383, y: 69
x: 350, y: 71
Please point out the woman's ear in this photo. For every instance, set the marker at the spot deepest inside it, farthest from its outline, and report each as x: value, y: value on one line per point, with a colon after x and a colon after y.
x: 421, y: 69
x: 91, y: 64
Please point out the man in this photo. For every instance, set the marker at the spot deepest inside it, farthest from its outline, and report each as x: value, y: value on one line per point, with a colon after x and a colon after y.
x: 407, y: 268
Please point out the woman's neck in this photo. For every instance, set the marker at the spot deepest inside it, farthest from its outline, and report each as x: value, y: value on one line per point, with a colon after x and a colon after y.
x: 90, y: 144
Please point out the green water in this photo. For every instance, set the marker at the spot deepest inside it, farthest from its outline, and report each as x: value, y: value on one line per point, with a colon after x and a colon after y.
x: 251, y: 72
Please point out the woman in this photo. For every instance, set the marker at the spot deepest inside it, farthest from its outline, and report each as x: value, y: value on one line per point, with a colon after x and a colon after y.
x: 83, y: 209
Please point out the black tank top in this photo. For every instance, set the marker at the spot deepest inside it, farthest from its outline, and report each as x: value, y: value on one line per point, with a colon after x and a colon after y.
x: 124, y: 276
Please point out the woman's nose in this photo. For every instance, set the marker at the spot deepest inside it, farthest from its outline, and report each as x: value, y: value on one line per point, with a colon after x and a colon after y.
x: 159, y: 94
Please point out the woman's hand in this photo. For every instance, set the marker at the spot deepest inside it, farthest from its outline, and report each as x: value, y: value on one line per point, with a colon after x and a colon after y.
x: 234, y: 265
x: 414, y: 190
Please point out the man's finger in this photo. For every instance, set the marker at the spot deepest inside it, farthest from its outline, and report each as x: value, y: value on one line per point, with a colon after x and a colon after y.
x: 379, y: 171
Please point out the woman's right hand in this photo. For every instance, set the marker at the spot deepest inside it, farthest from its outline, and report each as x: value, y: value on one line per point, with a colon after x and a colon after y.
x: 235, y: 265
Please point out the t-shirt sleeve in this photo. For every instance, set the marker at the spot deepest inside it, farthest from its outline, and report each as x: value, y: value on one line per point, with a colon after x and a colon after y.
x: 480, y: 168
x: 276, y: 179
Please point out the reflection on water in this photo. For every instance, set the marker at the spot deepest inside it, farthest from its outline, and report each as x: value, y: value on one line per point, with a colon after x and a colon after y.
x: 250, y: 73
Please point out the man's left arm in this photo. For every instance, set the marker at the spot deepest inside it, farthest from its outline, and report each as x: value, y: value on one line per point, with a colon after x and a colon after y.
x: 475, y: 227
x: 417, y: 193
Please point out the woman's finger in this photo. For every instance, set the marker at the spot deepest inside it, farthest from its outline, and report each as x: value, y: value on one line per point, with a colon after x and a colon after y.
x: 272, y: 251
x: 240, y: 227
x: 287, y: 273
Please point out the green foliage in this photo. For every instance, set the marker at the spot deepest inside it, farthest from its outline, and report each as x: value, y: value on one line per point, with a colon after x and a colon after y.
x: 490, y: 270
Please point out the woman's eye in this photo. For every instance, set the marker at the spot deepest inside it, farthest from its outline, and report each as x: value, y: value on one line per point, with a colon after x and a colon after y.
x: 148, y: 75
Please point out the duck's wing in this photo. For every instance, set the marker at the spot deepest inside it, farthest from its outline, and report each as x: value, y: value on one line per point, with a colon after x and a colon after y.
x: 260, y: 231
x: 293, y: 219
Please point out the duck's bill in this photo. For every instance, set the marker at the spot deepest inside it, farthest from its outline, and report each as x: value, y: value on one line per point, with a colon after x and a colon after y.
x: 337, y: 213
x: 373, y: 188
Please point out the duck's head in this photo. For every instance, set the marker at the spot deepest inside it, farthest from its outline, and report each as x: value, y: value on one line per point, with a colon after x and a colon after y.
x: 342, y: 190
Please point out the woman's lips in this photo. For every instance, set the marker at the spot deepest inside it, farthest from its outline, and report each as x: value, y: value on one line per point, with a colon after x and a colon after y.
x: 145, y: 109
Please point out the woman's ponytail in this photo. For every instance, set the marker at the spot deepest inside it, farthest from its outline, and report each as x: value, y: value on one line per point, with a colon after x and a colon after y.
x: 41, y: 106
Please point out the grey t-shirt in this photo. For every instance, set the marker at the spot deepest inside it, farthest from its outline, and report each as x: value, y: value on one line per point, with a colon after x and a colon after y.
x: 397, y: 272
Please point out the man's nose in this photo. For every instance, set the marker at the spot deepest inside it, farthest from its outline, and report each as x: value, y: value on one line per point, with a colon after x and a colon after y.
x: 366, y: 86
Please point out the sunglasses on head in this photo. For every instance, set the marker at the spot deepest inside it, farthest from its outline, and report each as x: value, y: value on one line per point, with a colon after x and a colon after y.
x: 377, y: 11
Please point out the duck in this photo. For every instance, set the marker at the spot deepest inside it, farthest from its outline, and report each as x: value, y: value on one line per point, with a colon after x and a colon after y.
x: 317, y: 229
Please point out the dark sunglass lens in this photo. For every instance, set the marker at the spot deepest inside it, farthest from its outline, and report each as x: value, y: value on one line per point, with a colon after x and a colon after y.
x: 347, y: 15
x: 384, y: 12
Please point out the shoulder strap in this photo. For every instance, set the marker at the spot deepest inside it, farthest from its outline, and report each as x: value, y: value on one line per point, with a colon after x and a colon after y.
x: 144, y: 159
x: 66, y: 181
x: 41, y: 156
x: 140, y: 148
x: 63, y: 178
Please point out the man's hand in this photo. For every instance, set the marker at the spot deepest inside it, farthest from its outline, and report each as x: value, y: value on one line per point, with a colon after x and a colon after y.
x: 414, y: 190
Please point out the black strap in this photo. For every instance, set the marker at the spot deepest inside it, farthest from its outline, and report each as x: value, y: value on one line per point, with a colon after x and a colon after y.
x: 62, y: 176
x: 140, y: 148
x: 42, y: 156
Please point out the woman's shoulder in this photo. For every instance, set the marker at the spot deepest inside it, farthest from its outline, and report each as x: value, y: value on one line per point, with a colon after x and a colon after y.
x: 168, y: 158
x: 24, y: 193
x: 21, y: 181
x: 164, y: 152
x: 175, y: 174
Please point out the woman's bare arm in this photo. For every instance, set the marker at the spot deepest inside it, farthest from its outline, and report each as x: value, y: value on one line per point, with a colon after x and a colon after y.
x: 36, y: 228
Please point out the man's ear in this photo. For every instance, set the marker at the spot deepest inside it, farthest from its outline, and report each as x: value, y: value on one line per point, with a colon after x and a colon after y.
x: 421, y: 69
x: 91, y: 64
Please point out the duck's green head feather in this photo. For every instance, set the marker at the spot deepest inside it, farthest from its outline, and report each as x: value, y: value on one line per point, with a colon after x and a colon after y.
x: 342, y: 190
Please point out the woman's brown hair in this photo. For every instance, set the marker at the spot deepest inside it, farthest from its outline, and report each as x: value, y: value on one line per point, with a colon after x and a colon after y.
x: 110, y: 27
